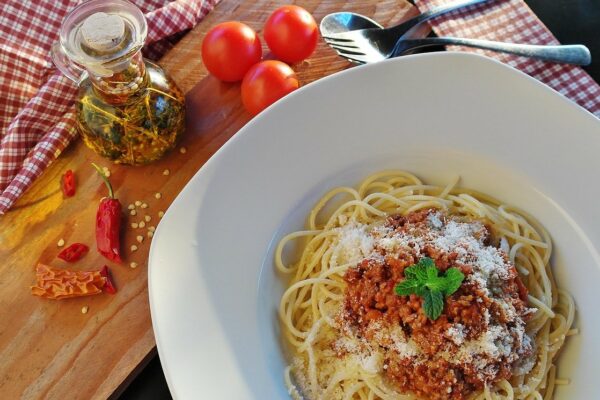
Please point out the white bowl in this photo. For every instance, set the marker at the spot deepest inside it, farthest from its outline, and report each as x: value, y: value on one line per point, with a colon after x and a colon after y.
x: 213, y: 287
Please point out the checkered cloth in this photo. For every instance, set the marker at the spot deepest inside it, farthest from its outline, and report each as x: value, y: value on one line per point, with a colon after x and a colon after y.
x: 513, y: 21
x: 36, y: 102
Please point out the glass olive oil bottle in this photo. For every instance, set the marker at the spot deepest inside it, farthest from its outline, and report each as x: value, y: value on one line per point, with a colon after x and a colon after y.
x: 128, y: 109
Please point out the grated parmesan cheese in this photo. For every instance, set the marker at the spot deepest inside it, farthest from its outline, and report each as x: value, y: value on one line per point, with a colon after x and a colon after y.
x: 456, y: 334
x: 354, y: 243
x: 434, y: 220
x: 372, y: 363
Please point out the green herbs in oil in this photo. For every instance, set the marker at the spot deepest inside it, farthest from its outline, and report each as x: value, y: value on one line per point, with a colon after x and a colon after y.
x: 136, y: 124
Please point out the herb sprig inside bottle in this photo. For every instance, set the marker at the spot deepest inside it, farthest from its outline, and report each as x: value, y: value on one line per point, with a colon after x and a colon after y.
x: 422, y: 279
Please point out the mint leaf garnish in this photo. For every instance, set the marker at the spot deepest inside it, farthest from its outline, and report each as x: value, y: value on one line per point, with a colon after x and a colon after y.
x: 432, y: 271
x: 454, y: 279
x: 436, y: 283
x: 423, y: 280
x: 406, y: 287
x: 418, y: 271
x: 433, y: 304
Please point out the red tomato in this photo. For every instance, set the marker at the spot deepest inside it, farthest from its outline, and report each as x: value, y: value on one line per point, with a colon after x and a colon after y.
x: 229, y: 49
x: 291, y: 33
x: 265, y: 83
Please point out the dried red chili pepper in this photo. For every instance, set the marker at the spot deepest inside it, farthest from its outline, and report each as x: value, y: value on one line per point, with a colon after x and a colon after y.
x: 74, y: 252
x: 109, y: 286
x: 68, y: 183
x: 108, y: 223
x: 60, y: 283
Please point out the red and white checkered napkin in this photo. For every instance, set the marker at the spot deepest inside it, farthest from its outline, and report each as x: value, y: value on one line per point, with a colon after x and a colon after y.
x: 36, y: 101
x: 513, y: 21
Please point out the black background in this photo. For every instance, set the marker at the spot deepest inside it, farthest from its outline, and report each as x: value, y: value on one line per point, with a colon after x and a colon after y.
x: 571, y: 21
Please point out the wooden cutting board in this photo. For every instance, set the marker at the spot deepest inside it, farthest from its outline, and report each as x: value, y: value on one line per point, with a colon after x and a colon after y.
x: 50, y: 349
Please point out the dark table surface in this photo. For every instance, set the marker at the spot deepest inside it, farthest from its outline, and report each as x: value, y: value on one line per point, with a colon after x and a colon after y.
x: 571, y: 21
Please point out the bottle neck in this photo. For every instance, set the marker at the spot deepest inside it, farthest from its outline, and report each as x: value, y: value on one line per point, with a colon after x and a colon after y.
x: 128, y: 79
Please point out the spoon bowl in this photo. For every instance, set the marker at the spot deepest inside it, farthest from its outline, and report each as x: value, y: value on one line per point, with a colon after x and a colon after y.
x: 345, y: 21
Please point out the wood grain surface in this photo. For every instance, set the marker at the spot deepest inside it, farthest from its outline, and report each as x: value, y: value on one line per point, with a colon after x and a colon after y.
x: 50, y: 349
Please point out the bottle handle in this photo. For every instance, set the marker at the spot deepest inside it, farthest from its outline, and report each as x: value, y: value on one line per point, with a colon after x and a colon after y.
x: 66, y: 66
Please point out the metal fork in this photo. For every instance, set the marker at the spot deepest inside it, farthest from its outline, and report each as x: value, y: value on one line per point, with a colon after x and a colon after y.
x: 381, y: 42
x: 565, y: 54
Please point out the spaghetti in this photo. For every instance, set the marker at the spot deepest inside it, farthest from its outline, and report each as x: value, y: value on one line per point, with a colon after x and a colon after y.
x: 352, y: 338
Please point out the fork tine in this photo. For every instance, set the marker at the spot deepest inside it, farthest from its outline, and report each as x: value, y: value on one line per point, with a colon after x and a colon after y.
x: 349, y: 58
x: 354, y: 57
x: 343, y: 45
x: 329, y: 41
x: 355, y: 51
x: 338, y: 38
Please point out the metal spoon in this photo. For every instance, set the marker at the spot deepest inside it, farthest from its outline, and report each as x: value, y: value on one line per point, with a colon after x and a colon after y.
x: 363, y: 52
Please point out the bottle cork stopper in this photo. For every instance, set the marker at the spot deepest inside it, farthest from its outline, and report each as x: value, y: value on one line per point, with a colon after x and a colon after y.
x: 103, y: 31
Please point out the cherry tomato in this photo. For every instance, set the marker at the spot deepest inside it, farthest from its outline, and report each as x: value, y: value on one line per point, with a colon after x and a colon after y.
x: 265, y: 83
x: 291, y: 33
x: 229, y: 49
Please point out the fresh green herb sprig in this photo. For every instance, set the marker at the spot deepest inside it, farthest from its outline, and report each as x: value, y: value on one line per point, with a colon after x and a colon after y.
x: 422, y: 279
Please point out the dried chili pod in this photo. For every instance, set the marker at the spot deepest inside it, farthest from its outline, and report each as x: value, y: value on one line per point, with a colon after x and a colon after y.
x: 60, y: 283
x: 108, y: 223
x: 74, y: 252
x: 109, y: 286
x: 68, y: 183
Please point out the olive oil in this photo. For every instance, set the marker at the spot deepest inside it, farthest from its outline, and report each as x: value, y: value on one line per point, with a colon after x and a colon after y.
x: 134, y: 128
x: 128, y: 109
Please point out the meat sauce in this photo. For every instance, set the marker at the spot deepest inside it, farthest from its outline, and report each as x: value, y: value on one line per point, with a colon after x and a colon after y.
x: 437, y: 371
